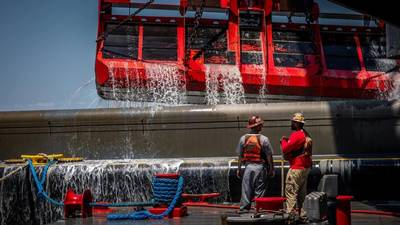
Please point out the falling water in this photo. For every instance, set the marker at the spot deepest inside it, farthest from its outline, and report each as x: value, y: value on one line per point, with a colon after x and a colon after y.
x: 395, y: 92
x: 128, y: 83
x: 225, y: 78
x: 263, y: 91
x: 109, y: 181
x: 165, y: 84
x: 134, y: 86
x: 111, y: 74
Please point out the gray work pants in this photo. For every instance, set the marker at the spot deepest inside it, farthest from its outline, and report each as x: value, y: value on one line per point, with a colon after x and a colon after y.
x: 253, y: 184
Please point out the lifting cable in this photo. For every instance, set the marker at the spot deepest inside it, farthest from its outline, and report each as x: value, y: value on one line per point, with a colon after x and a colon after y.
x: 196, y: 24
x: 129, y: 18
x: 209, y: 42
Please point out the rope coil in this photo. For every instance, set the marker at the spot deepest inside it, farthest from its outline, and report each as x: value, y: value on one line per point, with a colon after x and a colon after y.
x: 171, y: 197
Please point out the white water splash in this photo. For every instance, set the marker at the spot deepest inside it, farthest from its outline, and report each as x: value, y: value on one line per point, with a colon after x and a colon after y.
x: 165, y: 84
x: 108, y: 180
x: 111, y: 74
x: 128, y: 82
x: 395, y: 92
x: 263, y: 91
x: 225, y: 78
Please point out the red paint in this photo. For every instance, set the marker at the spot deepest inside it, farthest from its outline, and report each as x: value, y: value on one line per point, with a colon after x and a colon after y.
x: 343, y: 210
x: 269, y: 203
x: 167, y: 175
x: 77, y: 204
x: 199, y: 198
x: 314, y: 79
x: 209, y: 205
x: 100, y: 210
x: 176, y: 213
x: 183, y: 5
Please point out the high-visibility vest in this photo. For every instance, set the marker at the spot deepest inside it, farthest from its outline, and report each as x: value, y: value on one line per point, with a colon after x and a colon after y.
x: 252, y: 149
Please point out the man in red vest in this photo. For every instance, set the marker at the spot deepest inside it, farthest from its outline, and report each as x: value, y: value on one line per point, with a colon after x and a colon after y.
x: 297, y: 149
x: 255, y: 153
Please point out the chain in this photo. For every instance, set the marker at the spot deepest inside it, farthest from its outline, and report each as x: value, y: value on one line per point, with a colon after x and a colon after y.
x: 196, y: 24
x: 103, y: 36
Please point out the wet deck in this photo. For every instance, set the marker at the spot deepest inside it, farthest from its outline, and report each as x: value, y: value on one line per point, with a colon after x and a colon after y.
x: 212, y: 216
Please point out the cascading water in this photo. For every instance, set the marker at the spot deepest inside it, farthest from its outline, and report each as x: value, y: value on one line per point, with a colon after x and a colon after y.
x: 135, y: 91
x: 263, y: 91
x: 395, y: 92
x: 165, y: 84
x: 108, y: 180
x: 225, y: 78
x: 111, y: 73
x: 130, y: 92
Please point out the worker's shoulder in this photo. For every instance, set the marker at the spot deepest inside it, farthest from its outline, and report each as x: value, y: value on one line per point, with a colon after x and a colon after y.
x: 263, y: 138
x: 298, y: 134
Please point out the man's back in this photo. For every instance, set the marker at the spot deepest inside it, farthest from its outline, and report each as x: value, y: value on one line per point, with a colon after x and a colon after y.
x: 265, y: 144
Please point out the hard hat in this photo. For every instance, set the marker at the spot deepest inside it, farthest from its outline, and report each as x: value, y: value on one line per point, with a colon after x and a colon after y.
x: 254, y: 121
x: 298, y: 117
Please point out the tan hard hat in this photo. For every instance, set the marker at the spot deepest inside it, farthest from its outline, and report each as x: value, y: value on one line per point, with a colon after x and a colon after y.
x: 298, y: 117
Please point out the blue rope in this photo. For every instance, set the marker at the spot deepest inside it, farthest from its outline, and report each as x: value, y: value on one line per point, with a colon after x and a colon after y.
x: 44, y: 173
x: 164, y: 192
x: 40, y: 183
x: 144, y: 214
x: 161, y: 189
x: 165, y: 182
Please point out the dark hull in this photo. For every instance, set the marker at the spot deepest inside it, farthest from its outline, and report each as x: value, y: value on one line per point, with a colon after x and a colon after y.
x: 338, y: 128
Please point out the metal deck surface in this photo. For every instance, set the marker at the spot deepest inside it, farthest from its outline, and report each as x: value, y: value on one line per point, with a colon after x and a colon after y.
x: 212, y: 216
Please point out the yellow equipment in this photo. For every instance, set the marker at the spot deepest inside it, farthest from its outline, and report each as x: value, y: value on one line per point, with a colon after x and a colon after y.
x: 42, y: 159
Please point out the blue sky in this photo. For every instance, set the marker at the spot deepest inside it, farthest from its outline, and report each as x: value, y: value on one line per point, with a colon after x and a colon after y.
x: 47, y: 51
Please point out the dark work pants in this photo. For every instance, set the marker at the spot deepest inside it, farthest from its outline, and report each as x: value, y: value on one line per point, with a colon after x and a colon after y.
x: 253, y: 184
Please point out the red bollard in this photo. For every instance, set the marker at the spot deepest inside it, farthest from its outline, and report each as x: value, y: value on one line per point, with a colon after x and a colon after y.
x: 343, y: 210
x: 77, y: 204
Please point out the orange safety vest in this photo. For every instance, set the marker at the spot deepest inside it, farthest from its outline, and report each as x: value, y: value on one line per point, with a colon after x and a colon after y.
x: 252, y: 149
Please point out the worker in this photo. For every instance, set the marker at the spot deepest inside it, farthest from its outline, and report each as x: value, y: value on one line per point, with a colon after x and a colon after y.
x: 255, y: 153
x: 297, y: 149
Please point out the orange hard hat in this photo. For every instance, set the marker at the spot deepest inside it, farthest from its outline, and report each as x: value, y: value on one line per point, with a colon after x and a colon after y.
x: 254, y: 121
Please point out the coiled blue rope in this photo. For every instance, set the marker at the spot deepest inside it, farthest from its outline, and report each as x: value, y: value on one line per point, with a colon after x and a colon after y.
x: 144, y: 214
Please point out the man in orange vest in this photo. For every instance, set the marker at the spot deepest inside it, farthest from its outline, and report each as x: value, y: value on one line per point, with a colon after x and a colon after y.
x: 255, y: 153
x: 297, y: 149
